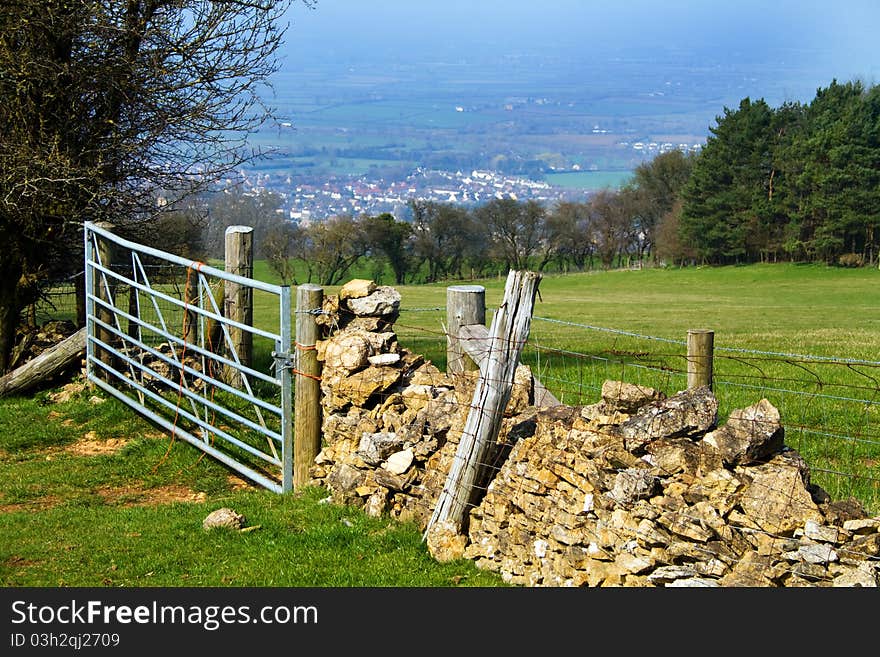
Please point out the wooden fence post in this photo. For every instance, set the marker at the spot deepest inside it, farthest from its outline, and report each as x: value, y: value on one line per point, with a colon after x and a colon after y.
x: 700, y: 348
x: 465, y: 306
x: 191, y: 298
x: 100, y: 285
x: 307, y: 386
x: 238, y: 299
x: 507, y: 336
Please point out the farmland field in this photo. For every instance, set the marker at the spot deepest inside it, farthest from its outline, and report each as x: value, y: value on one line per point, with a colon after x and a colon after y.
x: 122, y: 502
x: 805, y: 337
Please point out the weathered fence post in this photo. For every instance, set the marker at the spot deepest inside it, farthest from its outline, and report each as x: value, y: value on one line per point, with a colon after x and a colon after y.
x: 103, y: 287
x: 507, y: 336
x: 191, y: 298
x: 465, y: 306
x: 307, y: 390
x: 700, y: 348
x: 134, y: 329
x: 238, y: 299
x: 80, y: 289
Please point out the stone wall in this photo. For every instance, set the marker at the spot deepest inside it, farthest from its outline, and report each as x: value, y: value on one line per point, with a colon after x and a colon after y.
x: 638, y: 489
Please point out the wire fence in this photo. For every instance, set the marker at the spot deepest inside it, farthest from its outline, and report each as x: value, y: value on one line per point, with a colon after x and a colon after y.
x: 57, y: 303
x: 829, y: 406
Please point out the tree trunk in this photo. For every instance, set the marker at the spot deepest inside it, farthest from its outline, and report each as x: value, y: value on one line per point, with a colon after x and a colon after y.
x: 9, y: 310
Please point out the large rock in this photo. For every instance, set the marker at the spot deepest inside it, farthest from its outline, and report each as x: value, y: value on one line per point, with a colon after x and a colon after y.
x: 687, y: 414
x: 776, y: 498
x: 383, y: 301
x: 223, y: 518
x: 356, y: 288
x: 750, y: 435
x: 627, y: 397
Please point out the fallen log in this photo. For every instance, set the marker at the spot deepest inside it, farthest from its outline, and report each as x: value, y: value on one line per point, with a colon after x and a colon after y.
x: 44, y: 368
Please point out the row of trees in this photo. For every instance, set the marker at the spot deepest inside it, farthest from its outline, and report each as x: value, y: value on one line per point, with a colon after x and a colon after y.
x: 107, y: 107
x: 441, y: 241
x: 797, y: 182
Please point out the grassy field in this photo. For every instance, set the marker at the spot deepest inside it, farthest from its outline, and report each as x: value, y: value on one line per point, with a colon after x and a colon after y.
x: 92, y: 495
x: 806, y: 337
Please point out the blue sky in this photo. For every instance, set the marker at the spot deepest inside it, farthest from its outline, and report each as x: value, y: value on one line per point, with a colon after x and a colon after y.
x: 836, y: 37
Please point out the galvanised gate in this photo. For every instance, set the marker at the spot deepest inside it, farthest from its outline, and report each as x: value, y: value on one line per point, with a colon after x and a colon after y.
x: 161, y: 338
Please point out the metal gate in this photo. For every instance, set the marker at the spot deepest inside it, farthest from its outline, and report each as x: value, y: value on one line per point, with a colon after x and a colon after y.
x: 159, y: 340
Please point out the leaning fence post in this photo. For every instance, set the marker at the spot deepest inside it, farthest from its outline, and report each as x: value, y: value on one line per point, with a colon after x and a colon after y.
x: 307, y: 391
x: 237, y: 298
x: 465, y: 305
x: 507, y: 335
x: 700, y: 349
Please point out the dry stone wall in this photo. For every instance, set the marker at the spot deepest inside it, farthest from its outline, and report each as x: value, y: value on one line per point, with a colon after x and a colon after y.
x: 639, y: 489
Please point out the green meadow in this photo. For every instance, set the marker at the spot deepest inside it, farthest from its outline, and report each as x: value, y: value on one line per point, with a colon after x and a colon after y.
x: 805, y: 337
x: 92, y: 495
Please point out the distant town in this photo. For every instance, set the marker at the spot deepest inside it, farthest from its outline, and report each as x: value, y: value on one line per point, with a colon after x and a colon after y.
x: 305, y: 199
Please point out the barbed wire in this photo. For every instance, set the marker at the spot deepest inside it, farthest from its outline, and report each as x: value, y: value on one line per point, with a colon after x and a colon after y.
x: 778, y: 354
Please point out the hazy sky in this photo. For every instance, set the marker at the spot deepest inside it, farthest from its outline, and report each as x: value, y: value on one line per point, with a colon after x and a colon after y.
x: 838, y: 38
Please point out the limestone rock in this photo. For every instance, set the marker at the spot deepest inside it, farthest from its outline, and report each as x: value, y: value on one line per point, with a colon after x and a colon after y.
x: 445, y: 542
x: 687, y: 414
x: 356, y: 288
x: 750, y: 435
x: 626, y: 397
x: 374, y: 448
x: 384, y: 359
x: 777, y: 500
x: 633, y: 484
x: 399, y: 462
x: 223, y: 518
x: 383, y: 301
x: 346, y: 351
x: 360, y: 386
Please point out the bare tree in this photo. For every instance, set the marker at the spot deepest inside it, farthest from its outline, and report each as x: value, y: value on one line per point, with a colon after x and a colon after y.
x: 613, y: 225
x: 570, y: 234
x: 332, y: 247
x: 106, y: 105
x: 445, y: 236
x: 517, y: 230
x: 280, y: 246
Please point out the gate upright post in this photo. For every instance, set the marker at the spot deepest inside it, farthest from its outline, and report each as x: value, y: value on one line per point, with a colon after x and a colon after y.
x: 103, y: 289
x: 307, y: 399
x: 282, y: 364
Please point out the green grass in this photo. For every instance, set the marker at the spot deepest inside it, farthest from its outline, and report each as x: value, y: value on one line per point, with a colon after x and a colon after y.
x: 133, y: 516
x: 770, y: 322
x: 84, y: 520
